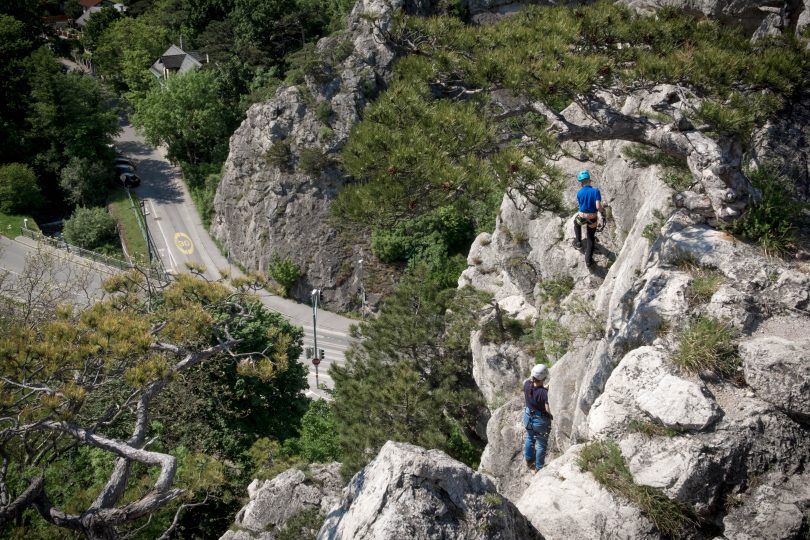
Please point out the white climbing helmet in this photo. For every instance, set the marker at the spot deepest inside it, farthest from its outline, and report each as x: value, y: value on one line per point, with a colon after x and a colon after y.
x: 540, y: 372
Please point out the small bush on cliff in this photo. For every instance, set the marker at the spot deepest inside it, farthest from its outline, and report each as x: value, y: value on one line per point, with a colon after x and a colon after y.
x: 772, y: 222
x: 603, y: 459
x: 708, y: 344
x: 284, y: 271
x: 279, y: 154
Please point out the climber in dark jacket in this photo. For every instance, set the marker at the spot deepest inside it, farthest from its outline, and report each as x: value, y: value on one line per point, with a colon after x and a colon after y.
x: 536, y: 418
x: 589, y: 200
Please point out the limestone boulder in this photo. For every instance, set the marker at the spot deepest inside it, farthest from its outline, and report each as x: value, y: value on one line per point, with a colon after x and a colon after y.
x: 274, y: 502
x: 410, y: 492
x: 642, y: 388
x: 774, y: 509
x: 778, y: 371
x: 499, y: 369
x: 564, y: 503
x: 677, y: 403
x: 502, y: 460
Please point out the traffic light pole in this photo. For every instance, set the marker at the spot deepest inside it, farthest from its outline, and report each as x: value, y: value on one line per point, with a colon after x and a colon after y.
x: 316, y: 293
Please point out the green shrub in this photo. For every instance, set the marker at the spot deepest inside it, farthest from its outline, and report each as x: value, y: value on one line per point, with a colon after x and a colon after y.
x: 652, y: 230
x: 651, y: 429
x: 552, y: 291
x: 549, y: 341
x: 772, y: 221
x: 302, y: 526
x: 324, y: 111
x: 502, y: 330
x: 708, y: 344
x: 19, y: 192
x: 604, y: 461
x: 279, y: 154
x: 318, y: 442
x: 705, y: 283
x: 284, y: 271
x: 313, y: 161
x: 90, y: 228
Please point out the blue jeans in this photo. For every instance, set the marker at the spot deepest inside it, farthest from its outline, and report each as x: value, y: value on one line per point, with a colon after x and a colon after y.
x: 537, y: 430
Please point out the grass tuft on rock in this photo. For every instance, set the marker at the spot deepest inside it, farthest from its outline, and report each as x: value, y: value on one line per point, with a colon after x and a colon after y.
x: 708, y: 344
x: 704, y: 284
x: 604, y: 461
x: 651, y: 429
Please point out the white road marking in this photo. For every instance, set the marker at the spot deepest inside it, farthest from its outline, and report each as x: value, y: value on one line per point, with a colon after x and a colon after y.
x: 163, y: 234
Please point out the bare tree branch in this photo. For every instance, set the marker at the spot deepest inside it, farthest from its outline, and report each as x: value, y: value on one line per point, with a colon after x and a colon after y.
x: 167, y: 533
x: 14, y: 508
x: 717, y: 168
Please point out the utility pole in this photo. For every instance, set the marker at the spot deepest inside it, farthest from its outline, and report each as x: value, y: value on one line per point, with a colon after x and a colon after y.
x: 362, y: 290
x: 315, y: 297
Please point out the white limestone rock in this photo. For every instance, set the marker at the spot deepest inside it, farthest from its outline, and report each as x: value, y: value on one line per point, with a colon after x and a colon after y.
x: 498, y: 369
x: 410, y: 492
x: 564, y: 503
x: 502, y: 459
x: 778, y: 370
x: 273, y: 502
x: 774, y: 509
x: 678, y: 403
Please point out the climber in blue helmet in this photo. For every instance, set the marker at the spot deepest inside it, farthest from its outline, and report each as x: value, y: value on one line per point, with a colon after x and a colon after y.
x: 589, y: 199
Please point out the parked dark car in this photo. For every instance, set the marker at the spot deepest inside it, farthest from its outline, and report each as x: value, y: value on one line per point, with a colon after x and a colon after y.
x: 129, y: 179
x: 120, y: 168
x: 121, y: 160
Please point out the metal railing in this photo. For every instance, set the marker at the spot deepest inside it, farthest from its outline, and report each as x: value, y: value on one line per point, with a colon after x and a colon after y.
x: 89, y: 254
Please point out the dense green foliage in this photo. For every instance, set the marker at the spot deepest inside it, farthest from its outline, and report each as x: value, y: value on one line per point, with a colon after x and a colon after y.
x: 409, y: 378
x: 773, y: 220
x: 19, y: 191
x: 208, y: 416
x: 191, y: 116
x: 284, y: 271
x: 90, y: 228
x: 603, y: 459
x: 48, y: 117
x: 86, y: 181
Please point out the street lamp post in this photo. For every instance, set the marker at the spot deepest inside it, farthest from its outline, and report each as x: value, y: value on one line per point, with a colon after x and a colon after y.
x: 362, y: 290
x: 315, y: 296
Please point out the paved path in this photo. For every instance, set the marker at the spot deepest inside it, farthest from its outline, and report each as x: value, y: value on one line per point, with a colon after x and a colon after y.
x: 180, y: 237
x: 59, y: 275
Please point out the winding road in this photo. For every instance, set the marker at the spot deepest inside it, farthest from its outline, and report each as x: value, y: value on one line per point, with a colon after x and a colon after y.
x: 180, y: 238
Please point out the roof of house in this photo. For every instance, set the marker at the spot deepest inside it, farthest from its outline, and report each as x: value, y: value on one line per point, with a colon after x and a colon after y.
x: 89, y: 3
x: 176, y: 59
x: 81, y: 21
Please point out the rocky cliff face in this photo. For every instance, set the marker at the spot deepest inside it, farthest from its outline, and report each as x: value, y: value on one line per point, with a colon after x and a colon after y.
x: 280, y: 177
x: 725, y: 444
x: 410, y: 492
x: 307, y: 497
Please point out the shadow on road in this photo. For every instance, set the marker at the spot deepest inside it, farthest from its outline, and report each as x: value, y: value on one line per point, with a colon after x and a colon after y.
x: 159, y: 181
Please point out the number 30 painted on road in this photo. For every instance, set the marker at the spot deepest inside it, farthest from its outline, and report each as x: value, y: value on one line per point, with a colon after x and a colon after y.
x: 183, y: 243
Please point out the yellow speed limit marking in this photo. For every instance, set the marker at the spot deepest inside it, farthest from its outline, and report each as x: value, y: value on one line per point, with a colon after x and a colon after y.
x: 183, y: 243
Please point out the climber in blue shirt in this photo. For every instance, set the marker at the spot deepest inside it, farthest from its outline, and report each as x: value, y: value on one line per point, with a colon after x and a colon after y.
x: 590, y: 202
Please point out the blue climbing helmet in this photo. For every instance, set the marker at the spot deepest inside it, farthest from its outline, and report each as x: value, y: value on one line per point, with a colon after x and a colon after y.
x: 583, y: 175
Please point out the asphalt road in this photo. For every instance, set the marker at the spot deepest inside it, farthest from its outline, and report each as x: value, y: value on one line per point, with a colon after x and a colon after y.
x: 181, y: 238
x: 53, y: 274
